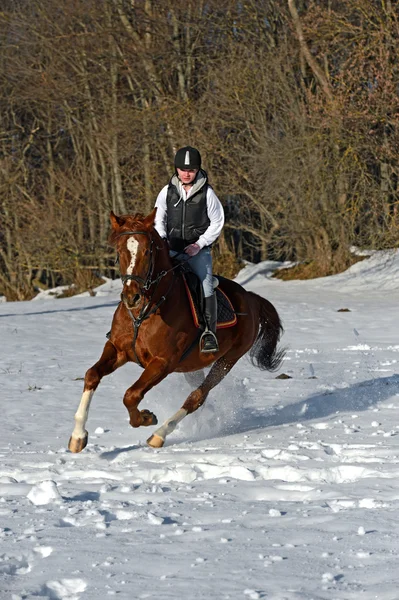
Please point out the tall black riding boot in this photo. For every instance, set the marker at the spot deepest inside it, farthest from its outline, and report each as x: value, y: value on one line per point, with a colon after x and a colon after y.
x: 208, y: 338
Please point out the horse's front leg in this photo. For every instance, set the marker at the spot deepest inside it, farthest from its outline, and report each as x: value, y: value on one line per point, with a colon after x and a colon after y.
x: 108, y: 362
x: 155, y: 371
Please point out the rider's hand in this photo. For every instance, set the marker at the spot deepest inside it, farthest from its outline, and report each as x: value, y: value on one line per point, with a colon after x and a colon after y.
x: 192, y: 249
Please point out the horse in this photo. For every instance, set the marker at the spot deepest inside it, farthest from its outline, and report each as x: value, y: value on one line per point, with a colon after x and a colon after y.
x: 153, y: 326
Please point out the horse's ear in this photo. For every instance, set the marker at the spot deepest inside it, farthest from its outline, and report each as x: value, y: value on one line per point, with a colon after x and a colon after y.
x: 116, y: 221
x: 150, y: 219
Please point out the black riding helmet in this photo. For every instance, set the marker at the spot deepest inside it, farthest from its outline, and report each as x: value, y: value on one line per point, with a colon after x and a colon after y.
x: 188, y: 158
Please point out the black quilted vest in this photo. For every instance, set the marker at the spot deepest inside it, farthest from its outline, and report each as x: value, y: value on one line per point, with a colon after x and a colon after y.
x: 186, y: 220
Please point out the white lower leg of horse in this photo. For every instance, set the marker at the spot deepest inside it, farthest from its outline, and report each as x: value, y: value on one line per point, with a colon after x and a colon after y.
x: 82, y: 414
x: 170, y: 424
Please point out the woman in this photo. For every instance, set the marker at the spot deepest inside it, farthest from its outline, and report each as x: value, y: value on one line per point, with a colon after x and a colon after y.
x: 190, y: 216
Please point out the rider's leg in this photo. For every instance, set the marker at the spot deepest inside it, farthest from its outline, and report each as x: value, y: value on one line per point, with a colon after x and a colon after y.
x: 201, y: 264
x: 210, y: 343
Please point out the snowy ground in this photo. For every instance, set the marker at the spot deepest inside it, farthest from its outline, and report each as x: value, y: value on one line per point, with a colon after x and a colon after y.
x: 283, y: 489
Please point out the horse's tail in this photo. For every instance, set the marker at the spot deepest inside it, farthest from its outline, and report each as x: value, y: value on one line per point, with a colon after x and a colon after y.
x: 264, y: 353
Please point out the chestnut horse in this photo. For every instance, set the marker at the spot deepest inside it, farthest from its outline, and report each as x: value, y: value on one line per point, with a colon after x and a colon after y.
x: 153, y: 326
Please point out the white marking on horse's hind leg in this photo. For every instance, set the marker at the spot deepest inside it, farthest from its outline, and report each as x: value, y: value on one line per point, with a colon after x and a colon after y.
x: 81, y: 416
x: 132, y: 246
x: 158, y: 438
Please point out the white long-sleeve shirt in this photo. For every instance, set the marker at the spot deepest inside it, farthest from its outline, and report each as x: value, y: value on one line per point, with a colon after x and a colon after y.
x: 213, y: 206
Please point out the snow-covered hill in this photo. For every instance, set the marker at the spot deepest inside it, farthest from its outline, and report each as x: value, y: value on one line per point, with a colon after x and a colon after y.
x: 283, y: 489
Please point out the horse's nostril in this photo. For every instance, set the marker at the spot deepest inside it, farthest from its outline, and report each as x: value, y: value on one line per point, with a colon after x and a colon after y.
x: 131, y: 301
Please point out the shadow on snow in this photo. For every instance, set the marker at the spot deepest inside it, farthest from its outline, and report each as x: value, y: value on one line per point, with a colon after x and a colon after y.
x: 358, y: 397
x: 60, y: 310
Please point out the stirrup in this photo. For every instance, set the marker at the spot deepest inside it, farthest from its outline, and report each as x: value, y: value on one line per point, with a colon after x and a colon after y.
x: 208, y: 342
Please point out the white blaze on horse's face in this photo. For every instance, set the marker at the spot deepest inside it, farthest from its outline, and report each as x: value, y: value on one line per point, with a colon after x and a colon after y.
x: 132, y: 246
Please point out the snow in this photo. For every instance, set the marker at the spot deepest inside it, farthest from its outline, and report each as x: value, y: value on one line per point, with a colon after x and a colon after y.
x: 285, y: 489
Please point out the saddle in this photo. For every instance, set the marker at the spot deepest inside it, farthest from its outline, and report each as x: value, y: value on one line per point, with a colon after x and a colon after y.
x: 226, y: 314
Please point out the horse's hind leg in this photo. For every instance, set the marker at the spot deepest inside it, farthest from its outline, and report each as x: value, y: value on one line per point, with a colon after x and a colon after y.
x: 218, y: 371
x: 196, y: 399
x: 106, y: 365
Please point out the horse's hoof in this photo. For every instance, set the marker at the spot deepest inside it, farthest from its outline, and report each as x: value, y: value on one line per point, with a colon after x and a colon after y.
x: 155, y: 441
x: 144, y: 418
x: 148, y: 418
x: 78, y: 444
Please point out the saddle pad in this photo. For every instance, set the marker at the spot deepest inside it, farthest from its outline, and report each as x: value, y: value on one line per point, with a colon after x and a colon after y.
x: 226, y: 313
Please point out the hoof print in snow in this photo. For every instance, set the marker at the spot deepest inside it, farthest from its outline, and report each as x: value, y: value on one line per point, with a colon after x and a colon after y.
x: 283, y: 376
x: 344, y: 310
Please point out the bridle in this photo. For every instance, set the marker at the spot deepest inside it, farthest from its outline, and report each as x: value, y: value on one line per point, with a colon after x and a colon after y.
x: 147, y: 282
x: 146, y: 310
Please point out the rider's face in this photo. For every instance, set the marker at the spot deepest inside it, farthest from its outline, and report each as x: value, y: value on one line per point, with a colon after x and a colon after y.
x: 187, y: 176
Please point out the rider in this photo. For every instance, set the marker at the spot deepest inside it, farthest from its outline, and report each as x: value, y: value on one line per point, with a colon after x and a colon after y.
x: 190, y: 216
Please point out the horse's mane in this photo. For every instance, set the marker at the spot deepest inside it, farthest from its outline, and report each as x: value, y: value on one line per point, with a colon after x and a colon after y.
x: 130, y: 223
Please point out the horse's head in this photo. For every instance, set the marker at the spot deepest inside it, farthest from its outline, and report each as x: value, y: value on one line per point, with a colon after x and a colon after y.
x: 136, y: 243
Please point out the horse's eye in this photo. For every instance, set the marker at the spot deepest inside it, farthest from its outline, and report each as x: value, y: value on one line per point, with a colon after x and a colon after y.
x: 146, y: 252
